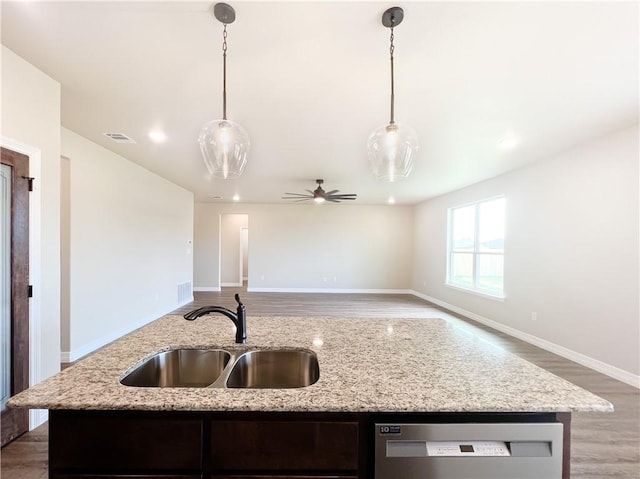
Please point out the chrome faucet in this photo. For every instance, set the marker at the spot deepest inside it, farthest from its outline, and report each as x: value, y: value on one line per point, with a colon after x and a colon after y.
x: 239, y: 318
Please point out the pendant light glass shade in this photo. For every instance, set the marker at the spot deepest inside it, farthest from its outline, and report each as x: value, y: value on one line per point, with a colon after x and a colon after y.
x: 224, y: 145
x: 391, y: 149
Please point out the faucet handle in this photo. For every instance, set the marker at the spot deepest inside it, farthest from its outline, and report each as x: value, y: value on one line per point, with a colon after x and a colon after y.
x: 237, y: 296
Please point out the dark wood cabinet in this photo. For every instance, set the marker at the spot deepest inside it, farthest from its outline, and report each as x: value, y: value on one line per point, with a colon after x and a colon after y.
x: 104, y: 442
x: 184, y: 445
x: 283, y: 477
x: 284, y: 445
x: 120, y: 476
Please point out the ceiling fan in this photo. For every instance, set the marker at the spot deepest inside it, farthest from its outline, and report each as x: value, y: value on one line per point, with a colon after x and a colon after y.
x: 319, y: 195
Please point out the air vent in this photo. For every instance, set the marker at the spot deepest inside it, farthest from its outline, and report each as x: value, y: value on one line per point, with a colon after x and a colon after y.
x: 185, y: 292
x: 119, y: 137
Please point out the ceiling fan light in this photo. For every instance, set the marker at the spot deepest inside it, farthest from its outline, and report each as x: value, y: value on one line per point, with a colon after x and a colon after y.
x: 391, y: 150
x: 318, y: 200
x: 224, y: 145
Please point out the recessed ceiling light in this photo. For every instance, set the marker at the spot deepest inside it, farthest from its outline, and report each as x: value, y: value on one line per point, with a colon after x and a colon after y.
x: 157, y: 136
x: 236, y: 197
x: 508, y: 142
x: 391, y: 200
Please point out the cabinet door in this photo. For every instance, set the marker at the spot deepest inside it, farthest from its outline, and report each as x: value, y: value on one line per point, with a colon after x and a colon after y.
x: 101, y: 442
x: 285, y: 446
x: 284, y: 477
x: 102, y: 476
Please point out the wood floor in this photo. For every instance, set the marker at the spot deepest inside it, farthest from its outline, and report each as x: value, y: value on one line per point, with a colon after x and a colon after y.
x: 604, y: 445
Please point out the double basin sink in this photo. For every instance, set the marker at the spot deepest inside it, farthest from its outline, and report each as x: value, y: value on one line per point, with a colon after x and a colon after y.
x: 218, y: 368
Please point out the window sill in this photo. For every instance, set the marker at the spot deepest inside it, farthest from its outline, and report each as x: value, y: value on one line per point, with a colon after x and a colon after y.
x: 485, y: 294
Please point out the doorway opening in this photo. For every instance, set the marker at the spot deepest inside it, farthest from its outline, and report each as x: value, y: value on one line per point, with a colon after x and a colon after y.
x: 244, y: 255
x: 234, y: 250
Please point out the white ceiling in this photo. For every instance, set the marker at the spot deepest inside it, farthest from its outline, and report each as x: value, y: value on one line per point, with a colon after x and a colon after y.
x: 309, y: 81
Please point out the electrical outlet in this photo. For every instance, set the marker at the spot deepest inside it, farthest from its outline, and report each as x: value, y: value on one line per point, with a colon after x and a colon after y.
x: 534, y: 316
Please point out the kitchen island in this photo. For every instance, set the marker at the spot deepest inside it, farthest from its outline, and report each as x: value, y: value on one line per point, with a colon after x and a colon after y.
x: 371, y: 371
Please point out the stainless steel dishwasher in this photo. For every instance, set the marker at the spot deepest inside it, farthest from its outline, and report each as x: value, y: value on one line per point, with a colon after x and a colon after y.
x: 469, y: 451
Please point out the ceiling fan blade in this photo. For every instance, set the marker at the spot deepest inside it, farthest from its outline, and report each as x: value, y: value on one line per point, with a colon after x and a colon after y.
x: 332, y: 200
x: 294, y: 199
x: 346, y: 195
x: 332, y: 192
x: 299, y: 195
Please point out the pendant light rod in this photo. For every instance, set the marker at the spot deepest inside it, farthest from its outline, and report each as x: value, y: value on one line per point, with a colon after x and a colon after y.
x: 391, y: 18
x: 392, y: 84
x: 225, y: 14
x: 224, y: 72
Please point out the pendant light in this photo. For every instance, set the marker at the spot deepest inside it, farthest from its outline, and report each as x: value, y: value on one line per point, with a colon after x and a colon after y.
x: 391, y: 148
x: 224, y: 143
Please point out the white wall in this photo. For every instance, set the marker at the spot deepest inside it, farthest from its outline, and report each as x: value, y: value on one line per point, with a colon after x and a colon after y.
x: 130, y: 235
x: 571, y: 253
x: 206, y: 247
x: 312, y: 247
x: 30, y: 116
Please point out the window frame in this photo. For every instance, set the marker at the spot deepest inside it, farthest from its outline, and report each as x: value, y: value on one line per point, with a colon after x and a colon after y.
x: 476, y: 253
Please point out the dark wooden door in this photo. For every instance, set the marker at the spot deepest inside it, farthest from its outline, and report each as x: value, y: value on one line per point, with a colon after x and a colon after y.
x: 14, y: 422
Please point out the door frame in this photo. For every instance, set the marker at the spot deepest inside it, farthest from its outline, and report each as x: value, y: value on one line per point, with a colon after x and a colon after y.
x: 36, y: 416
x: 15, y: 422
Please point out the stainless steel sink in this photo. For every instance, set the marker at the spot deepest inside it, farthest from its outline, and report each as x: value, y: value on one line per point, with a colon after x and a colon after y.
x: 274, y: 369
x: 217, y: 368
x: 179, y: 368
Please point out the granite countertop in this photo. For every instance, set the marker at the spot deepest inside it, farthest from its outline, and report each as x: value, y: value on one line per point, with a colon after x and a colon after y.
x: 366, y: 365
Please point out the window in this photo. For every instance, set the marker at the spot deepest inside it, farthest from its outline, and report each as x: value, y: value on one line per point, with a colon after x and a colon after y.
x: 476, y: 247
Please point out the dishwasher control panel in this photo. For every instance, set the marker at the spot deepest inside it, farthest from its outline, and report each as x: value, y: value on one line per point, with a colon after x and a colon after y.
x: 468, y: 448
x: 469, y: 451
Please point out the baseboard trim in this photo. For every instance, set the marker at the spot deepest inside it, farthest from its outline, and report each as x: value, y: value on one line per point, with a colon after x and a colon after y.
x: 591, y: 363
x: 71, y: 356
x: 229, y: 285
x: 253, y: 289
x: 206, y: 289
